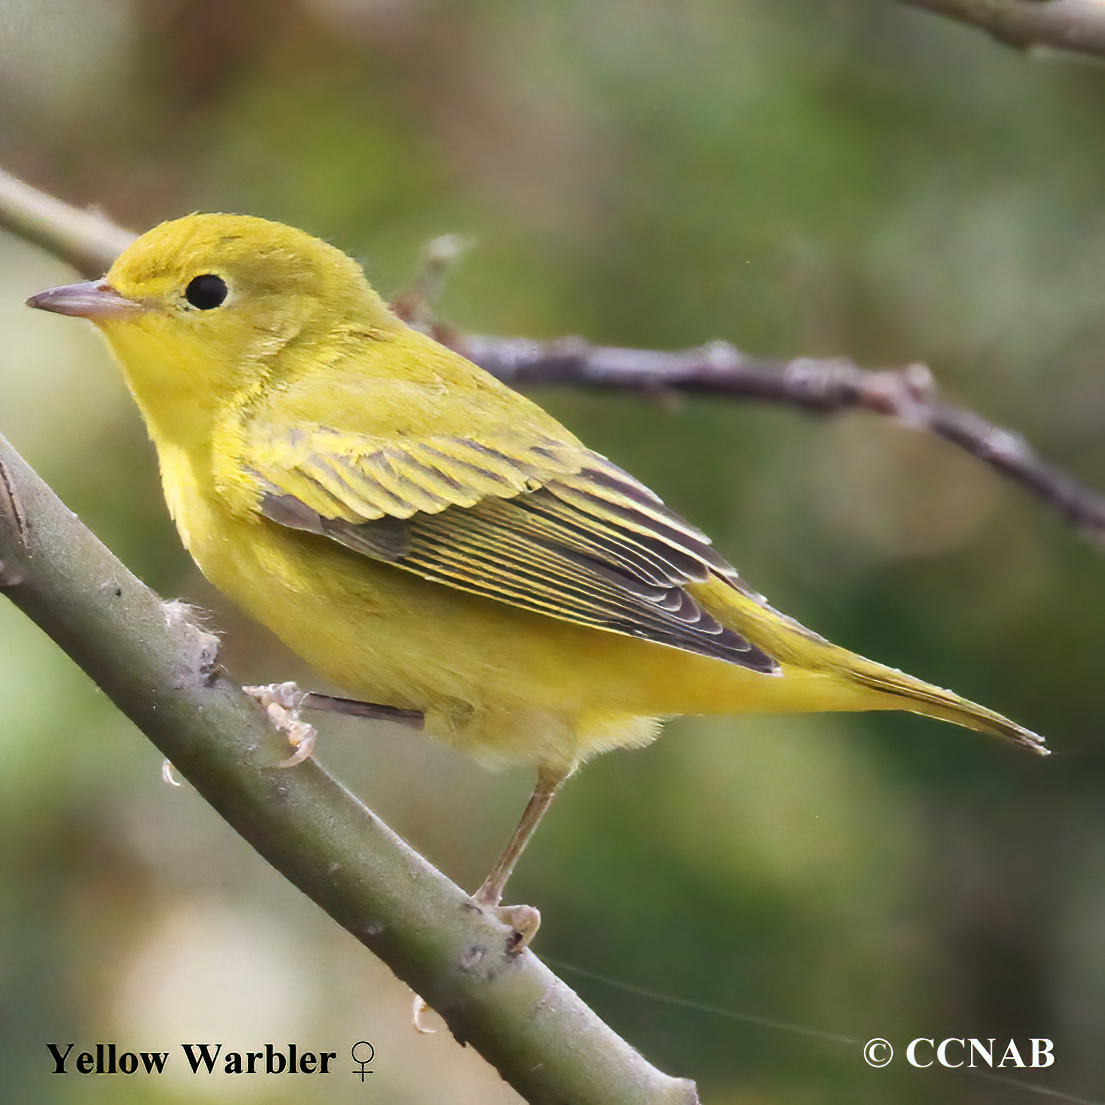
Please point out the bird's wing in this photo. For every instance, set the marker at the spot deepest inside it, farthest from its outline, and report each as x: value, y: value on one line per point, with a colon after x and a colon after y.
x: 544, y: 525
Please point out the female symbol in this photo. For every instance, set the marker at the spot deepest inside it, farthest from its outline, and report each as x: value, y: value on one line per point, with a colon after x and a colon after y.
x: 362, y: 1061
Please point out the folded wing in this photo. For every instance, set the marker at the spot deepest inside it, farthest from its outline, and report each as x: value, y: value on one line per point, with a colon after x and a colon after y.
x: 546, y: 526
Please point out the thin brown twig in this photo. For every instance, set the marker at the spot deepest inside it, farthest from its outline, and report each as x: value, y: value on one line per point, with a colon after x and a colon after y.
x: 89, y: 241
x: 1077, y: 26
x: 829, y: 386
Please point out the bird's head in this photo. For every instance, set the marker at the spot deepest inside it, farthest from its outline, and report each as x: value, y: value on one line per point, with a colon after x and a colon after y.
x: 205, y: 306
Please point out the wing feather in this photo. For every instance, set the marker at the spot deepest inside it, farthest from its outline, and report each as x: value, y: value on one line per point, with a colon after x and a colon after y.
x: 543, y: 525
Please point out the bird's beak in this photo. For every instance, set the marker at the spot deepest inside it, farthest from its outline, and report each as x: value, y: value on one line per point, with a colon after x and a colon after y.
x: 95, y: 300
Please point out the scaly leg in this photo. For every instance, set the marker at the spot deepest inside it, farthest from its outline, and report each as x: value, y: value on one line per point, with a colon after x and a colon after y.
x: 524, y: 919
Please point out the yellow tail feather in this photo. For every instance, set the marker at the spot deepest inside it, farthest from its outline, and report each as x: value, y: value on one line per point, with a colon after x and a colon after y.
x: 932, y: 701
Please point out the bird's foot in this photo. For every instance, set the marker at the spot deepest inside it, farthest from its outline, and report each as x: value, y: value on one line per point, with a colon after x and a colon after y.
x: 282, y: 702
x: 522, y: 920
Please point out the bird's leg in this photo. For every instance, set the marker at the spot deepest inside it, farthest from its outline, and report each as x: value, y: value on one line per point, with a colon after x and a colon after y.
x: 354, y: 707
x: 283, y: 701
x: 548, y: 783
x: 524, y: 919
x: 290, y: 697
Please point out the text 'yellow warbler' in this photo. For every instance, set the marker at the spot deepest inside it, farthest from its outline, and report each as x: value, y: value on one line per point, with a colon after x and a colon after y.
x: 425, y: 536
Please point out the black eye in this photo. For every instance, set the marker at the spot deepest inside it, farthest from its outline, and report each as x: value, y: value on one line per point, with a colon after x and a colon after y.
x: 206, y: 292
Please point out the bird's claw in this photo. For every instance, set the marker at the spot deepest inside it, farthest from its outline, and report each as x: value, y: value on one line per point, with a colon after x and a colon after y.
x: 281, y: 701
x: 522, y: 920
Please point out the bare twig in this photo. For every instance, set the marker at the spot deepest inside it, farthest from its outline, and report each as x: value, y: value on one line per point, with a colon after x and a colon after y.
x: 86, y: 239
x: 440, y: 254
x: 907, y: 394
x: 89, y: 241
x: 1074, y: 25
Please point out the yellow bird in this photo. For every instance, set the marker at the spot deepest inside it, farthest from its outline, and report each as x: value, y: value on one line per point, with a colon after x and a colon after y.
x: 423, y: 535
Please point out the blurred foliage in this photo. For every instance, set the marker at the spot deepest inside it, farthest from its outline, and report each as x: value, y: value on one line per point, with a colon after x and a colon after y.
x: 848, y: 178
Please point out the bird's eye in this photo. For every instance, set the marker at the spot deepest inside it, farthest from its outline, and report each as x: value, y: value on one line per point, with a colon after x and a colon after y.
x: 207, y: 291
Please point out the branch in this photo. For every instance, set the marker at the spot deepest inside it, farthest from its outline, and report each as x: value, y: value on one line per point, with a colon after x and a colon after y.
x: 161, y: 670
x: 1074, y: 25
x: 829, y: 386
x: 86, y: 239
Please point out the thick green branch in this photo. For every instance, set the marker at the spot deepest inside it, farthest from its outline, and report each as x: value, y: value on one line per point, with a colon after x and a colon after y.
x: 161, y: 670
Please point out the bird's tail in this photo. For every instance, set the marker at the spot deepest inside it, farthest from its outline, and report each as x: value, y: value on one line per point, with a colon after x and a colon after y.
x: 818, y: 675
x: 918, y: 697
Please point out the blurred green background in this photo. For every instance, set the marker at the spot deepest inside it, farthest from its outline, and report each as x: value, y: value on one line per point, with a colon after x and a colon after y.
x: 840, y: 178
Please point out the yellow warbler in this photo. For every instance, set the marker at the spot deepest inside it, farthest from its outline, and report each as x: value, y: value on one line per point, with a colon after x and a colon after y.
x: 421, y: 534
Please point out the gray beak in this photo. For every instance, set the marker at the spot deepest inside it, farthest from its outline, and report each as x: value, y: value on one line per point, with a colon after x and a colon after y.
x: 95, y: 300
